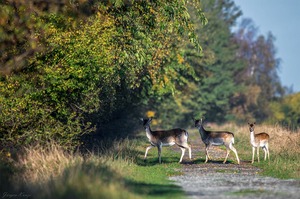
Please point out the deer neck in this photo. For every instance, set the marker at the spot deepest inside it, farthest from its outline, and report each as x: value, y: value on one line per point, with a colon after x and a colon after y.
x: 252, y: 137
x: 148, y: 132
x: 203, y: 132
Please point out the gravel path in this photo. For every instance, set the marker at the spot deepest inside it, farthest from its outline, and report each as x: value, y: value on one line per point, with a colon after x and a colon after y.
x: 217, y: 180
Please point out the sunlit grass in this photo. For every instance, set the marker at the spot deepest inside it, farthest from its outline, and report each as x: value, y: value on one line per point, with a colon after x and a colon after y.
x: 284, y: 146
x: 118, y: 170
x: 115, y: 172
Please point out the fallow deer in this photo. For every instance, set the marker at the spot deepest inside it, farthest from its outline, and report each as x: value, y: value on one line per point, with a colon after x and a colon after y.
x: 166, y: 138
x: 216, y: 138
x: 259, y: 140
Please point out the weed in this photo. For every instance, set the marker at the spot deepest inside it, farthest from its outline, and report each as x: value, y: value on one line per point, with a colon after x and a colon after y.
x: 114, y: 172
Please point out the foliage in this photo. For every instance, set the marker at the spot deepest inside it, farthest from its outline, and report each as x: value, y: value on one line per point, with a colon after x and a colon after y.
x: 116, y: 172
x: 211, y: 87
x: 260, y: 74
x: 49, y: 100
x: 286, y: 111
x: 216, y: 86
x: 21, y: 31
x: 70, y: 66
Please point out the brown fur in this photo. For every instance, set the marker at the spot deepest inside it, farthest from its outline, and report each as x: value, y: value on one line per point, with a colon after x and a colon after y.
x: 166, y: 138
x: 257, y: 141
x: 216, y: 138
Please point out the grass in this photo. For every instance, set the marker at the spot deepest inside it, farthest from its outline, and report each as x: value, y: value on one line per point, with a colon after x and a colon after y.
x: 117, y: 172
x: 249, y: 192
x: 284, y: 146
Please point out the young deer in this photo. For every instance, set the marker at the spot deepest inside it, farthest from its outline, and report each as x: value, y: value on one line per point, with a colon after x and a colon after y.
x: 216, y: 138
x: 166, y: 138
x: 259, y: 140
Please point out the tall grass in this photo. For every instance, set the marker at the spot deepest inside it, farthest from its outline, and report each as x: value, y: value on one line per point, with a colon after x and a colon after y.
x: 117, y: 170
x: 112, y: 170
x: 284, y: 146
x: 50, y: 172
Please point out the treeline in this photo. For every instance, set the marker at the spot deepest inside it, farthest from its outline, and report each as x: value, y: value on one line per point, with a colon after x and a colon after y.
x: 67, y: 68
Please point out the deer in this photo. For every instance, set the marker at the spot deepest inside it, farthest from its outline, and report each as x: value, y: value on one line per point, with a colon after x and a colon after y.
x: 257, y: 141
x: 216, y: 138
x: 162, y: 138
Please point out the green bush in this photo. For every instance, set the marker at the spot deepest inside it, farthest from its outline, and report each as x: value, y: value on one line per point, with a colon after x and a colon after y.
x: 86, y: 65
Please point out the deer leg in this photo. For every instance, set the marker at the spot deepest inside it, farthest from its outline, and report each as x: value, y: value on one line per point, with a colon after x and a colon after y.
x: 206, y: 153
x: 257, y: 150
x: 235, y: 152
x: 147, y: 149
x: 253, y: 152
x: 186, y: 146
x: 267, y: 149
x: 182, y: 153
x: 190, y: 152
x: 159, y: 153
x: 227, y: 153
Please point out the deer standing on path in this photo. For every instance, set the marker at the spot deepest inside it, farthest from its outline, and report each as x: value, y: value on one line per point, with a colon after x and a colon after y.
x: 216, y: 138
x: 259, y: 140
x: 166, y: 138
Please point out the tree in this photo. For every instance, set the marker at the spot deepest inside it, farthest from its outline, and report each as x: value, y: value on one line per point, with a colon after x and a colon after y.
x: 89, y: 60
x: 286, y: 111
x: 210, y: 88
x: 260, y: 74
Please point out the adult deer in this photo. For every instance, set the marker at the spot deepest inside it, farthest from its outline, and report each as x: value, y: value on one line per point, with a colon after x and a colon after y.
x: 216, y: 138
x: 166, y: 138
x: 259, y: 140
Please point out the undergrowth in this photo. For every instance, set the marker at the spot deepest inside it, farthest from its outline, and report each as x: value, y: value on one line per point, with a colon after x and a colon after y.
x: 117, y: 169
x: 114, y: 172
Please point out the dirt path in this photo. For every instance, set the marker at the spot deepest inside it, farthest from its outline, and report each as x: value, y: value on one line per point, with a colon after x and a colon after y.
x: 217, y: 180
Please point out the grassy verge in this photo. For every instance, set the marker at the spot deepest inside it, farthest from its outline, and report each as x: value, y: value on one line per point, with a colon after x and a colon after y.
x: 284, y: 146
x: 117, y: 172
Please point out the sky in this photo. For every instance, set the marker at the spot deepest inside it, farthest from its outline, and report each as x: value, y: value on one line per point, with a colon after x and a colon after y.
x: 282, y: 19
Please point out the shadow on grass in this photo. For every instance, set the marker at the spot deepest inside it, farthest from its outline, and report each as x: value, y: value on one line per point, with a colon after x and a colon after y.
x: 202, y: 161
x: 120, y: 125
x: 6, y: 171
x: 155, y: 190
x: 90, y: 180
x: 154, y: 161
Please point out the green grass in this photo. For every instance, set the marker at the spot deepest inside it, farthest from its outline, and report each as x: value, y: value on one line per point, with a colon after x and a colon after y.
x: 152, y: 182
x: 117, y: 172
x: 284, y: 149
x: 284, y: 146
x: 280, y: 166
x: 249, y: 192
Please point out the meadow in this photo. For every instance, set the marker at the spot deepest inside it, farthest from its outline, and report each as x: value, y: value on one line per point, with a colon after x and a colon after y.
x: 119, y: 171
x: 284, y: 146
